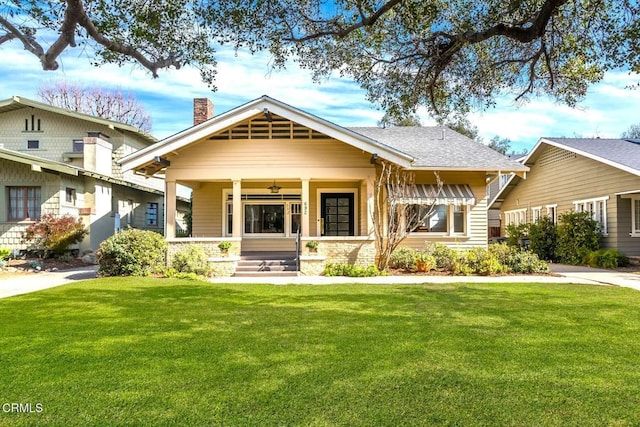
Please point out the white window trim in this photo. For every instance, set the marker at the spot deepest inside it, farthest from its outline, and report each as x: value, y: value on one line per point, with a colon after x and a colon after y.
x: 534, y: 210
x: 515, y: 217
x: 635, y: 228
x: 449, y: 232
x: 603, y: 221
x: 554, y: 216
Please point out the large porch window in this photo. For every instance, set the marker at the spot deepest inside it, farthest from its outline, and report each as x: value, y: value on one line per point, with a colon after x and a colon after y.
x: 273, y: 216
x: 260, y: 219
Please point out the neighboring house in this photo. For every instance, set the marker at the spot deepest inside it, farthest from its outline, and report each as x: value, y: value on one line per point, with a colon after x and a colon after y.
x: 601, y: 176
x: 262, y: 169
x: 493, y: 188
x: 56, y: 161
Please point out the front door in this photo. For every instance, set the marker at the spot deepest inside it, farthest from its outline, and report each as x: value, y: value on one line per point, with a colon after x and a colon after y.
x: 337, y: 214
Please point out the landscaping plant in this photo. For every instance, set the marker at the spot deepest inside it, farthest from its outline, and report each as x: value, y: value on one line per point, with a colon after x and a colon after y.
x: 51, y: 235
x: 578, y: 234
x: 543, y: 238
x: 132, y: 252
x: 191, y: 259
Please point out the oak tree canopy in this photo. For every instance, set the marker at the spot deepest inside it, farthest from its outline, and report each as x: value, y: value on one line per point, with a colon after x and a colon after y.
x: 448, y: 55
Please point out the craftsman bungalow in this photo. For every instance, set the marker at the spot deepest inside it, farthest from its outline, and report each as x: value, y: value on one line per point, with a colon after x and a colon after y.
x: 265, y: 170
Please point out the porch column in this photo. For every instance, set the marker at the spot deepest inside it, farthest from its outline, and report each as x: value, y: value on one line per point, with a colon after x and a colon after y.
x: 170, y: 209
x: 370, y: 186
x: 237, y: 208
x: 305, y: 208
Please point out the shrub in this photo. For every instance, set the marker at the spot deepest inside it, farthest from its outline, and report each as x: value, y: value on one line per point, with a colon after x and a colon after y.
x: 53, y: 235
x: 527, y: 262
x: 403, y: 258
x: 5, y: 254
x: 543, y: 238
x: 460, y: 265
x: 351, y: 270
x: 606, y: 258
x: 132, y: 253
x: 191, y: 259
x: 503, y: 252
x: 515, y: 234
x: 224, y: 245
x: 578, y: 234
x: 443, y: 254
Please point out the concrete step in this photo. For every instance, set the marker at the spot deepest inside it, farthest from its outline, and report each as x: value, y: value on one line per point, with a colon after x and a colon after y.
x: 265, y: 274
x: 257, y: 264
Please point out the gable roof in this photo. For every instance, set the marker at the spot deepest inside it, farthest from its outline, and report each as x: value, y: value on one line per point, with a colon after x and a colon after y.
x: 618, y: 153
x: 38, y: 164
x: 18, y: 102
x: 412, y: 148
x: 438, y: 147
x: 251, y: 109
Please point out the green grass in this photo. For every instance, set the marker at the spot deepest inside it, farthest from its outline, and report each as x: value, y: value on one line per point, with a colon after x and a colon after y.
x: 168, y: 352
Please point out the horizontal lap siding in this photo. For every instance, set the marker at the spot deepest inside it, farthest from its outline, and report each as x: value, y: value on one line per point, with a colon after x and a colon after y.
x: 271, y: 154
x: 560, y: 177
x: 207, y: 209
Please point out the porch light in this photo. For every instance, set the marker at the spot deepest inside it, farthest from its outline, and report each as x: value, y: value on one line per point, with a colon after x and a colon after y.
x: 274, y: 188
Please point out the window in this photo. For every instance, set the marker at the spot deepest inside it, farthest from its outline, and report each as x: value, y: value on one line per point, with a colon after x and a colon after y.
x: 552, y: 213
x: 70, y: 195
x: 597, y: 208
x: 260, y: 219
x: 515, y: 217
x: 24, y: 203
x: 440, y: 218
x: 78, y: 145
x: 33, y: 144
x: 536, y: 213
x: 152, y: 214
x: 635, y: 217
x: 295, y: 218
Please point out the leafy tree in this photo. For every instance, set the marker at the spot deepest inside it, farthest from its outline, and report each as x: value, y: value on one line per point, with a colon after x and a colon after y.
x: 107, y: 104
x: 501, y: 145
x: 448, y: 56
x: 389, y: 120
x: 632, y: 133
x: 461, y: 124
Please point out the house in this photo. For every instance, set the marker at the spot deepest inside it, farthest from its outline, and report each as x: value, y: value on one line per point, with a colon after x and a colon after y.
x: 601, y: 176
x: 493, y: 188
x: 57, y: 161
x: 261, y: 170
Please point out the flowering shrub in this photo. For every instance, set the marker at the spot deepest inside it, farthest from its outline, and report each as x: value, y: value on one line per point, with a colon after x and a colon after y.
x: 53, y: 235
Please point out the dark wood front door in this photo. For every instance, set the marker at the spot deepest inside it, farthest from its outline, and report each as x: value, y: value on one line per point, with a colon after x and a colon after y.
x: 337, y: 214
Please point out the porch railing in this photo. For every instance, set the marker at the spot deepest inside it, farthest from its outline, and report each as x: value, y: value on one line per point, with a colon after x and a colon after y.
x: 298, y: 247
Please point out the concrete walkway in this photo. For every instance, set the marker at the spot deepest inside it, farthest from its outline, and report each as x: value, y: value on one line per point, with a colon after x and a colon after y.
x: 31, y: 282
x: 25, y: 283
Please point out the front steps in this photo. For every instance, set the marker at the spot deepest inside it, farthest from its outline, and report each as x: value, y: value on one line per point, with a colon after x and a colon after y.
x: 266, y: 264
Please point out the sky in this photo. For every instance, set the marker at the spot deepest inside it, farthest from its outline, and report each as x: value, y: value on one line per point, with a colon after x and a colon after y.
x: 607, y: 111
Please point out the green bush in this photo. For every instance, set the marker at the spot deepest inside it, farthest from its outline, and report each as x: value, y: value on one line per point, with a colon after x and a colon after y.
x: 543, y: 238
x: 515, y: 234
x: 606, y: 258
x: 502, y: 252
x: 351, y: 270
x: 5, y: 254
x: 191, y: 259
x: 53, y: 235
x: 132, y: 253
x: 578, y: 234
x: 527, y: 262
x: 403, y: 258
x: 443, y: 254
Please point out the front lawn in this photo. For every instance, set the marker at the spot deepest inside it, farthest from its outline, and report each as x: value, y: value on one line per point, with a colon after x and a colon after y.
x: 123, y: 351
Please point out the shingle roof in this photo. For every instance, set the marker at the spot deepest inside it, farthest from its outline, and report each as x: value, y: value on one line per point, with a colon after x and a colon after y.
x: 623, y: 152
x: 440, y: 147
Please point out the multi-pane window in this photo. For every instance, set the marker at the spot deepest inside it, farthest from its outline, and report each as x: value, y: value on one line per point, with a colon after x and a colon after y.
x: 24, y: 203
x: 515, y: 217
x: 597, y: 208
x: 439, y: 218
x: 635, y: 217
x: 295, y: 217
x: 536, y: 213
x: 152, y: 214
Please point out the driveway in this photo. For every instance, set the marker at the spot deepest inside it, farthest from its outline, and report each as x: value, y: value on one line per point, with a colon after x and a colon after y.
x: 598, y: 275
x: 31, y: 282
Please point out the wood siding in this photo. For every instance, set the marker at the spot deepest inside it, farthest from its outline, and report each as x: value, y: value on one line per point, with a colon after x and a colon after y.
x: 562, y: 177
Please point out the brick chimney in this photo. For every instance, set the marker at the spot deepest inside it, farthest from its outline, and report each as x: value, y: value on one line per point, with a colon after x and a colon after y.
x: 202, y: 110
